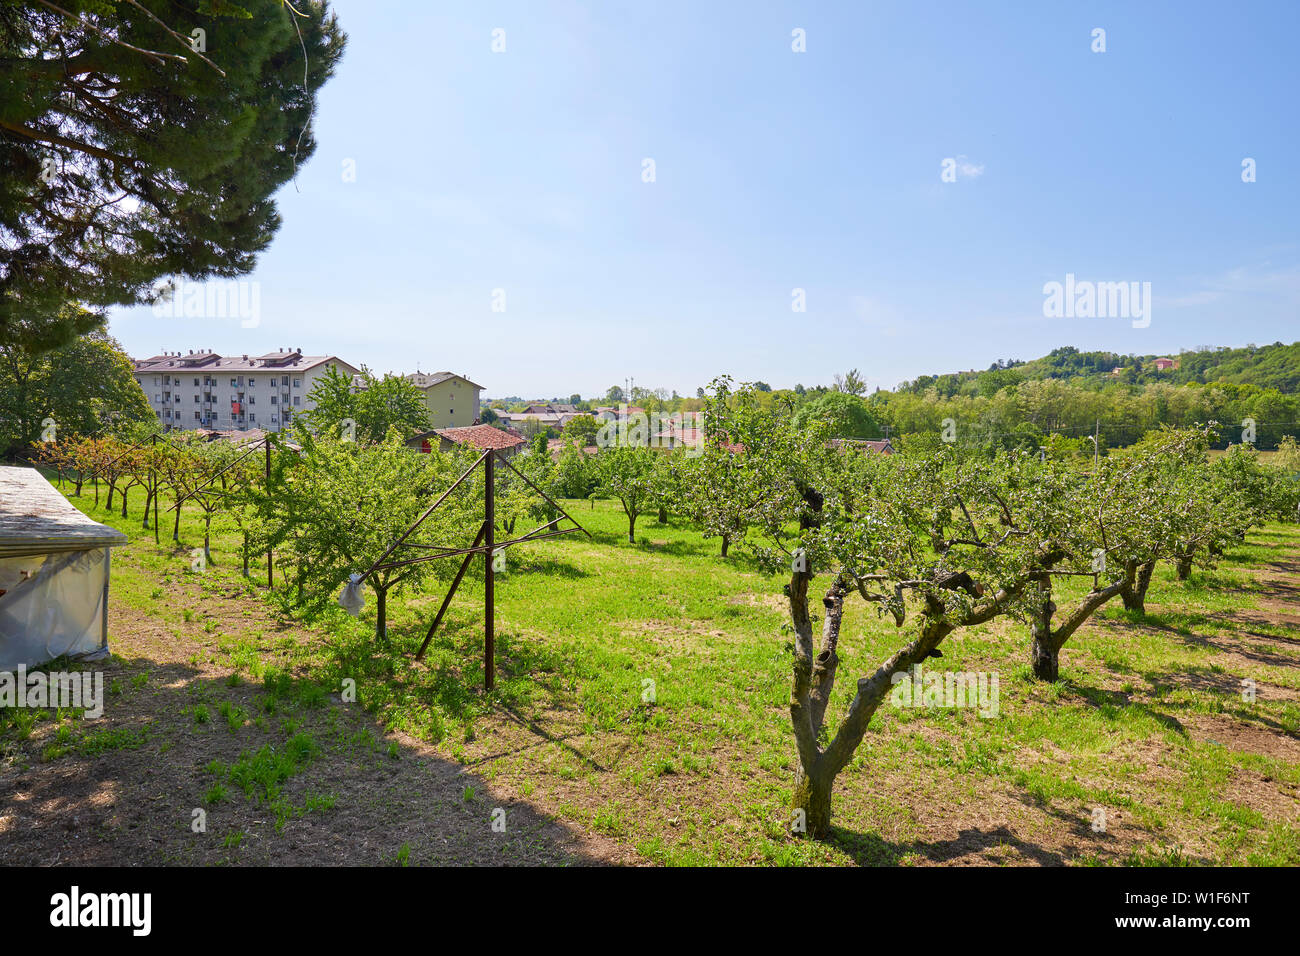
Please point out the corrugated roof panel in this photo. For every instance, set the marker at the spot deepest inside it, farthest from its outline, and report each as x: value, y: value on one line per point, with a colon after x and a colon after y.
x: 36, y: 519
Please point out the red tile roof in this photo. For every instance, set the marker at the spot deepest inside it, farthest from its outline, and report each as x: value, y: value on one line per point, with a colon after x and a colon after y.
x: 480, y: 436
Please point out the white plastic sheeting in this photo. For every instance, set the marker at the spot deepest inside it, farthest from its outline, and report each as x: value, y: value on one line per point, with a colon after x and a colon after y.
x: 53, y: 604
x: 352, y: 598
x: 53, y: 573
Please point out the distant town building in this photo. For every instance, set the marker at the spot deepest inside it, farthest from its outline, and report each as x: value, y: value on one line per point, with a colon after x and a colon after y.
x: 452, y: 400
x: 204, y: 390
x: 1165, y: 363
x: 545, y: 414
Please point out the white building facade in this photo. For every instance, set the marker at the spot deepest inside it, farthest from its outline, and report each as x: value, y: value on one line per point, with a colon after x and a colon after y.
x: 205, y: 390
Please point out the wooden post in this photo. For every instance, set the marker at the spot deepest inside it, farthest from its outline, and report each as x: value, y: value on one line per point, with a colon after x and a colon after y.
x: 268, y: 489
x: 489, y: 604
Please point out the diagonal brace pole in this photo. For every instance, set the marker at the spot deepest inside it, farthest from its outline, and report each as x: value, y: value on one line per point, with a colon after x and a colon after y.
x: 446, y: 602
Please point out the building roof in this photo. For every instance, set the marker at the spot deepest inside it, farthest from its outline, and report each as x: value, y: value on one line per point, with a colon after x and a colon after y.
x: 430, y: 379
x: 544, y: 418
x: 686, y: 434
x: 477, y: 436
x: 240, y: 436
x: 36, y: 519
x: 286, y: 361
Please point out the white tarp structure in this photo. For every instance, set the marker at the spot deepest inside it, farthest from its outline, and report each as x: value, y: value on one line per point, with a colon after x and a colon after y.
x: 54, y: 564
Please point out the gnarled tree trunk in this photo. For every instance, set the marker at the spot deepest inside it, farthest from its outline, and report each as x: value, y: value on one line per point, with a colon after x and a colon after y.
x: 1134, y: 590
x: 1044, y: 652
x: 1046, y: 642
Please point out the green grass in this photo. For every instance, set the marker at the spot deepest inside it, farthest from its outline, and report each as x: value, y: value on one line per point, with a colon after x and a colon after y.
x: 702, y: 774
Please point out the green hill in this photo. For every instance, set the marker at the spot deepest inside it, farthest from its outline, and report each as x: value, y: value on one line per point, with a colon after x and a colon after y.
x: 1275, y: 366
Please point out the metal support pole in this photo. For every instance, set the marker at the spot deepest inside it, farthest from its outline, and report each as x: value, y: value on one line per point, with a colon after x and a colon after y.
x: 451, y: 592
x: 489, y: 604
x: 268, y: 491
x: 103, y: 619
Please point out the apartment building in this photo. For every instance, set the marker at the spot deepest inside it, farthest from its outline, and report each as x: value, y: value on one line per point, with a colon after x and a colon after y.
x: 452, y: 400
x: 201, y: 389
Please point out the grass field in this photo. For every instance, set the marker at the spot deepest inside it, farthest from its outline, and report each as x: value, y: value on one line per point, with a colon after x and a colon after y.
x: 640, y: 717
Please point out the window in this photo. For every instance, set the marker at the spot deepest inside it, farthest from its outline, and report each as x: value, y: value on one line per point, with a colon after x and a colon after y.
x: 297, y: 383
x: 252, y: 417
x: 285, y: 383
x: 273, y: 401
x: 297, y: 400
x: 196, y: 401
x: 252, y: 381
x: 157, y: 397
x: 196, y: 383
x: 155, y: 379
x: 234, y: 383
x: 196, y: 414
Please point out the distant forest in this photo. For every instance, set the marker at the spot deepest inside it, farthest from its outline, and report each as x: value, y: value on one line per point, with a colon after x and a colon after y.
x: 1275, y: 366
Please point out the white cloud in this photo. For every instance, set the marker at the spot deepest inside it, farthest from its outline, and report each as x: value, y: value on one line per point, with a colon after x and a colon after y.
x: 968, y: 170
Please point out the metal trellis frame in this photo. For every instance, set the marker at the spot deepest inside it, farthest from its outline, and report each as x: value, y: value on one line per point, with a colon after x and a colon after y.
x: 484, y: 543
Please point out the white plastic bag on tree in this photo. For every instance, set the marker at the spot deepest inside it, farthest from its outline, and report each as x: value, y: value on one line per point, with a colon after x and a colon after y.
x: 351, y: 598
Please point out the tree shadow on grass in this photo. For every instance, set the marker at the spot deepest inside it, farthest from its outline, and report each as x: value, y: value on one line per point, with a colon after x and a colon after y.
x: 1113, y: 700
x: 283, y: 771
x: 676, y: 548
x: 869, y: 849
x: 1182, y: 624
x: 546, y: 567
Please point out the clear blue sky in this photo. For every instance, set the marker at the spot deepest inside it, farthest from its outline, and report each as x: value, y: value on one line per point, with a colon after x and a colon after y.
x: 774, y: 170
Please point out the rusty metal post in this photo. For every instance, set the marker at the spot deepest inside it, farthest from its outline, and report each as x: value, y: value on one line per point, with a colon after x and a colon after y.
x: 268, y: 491
x: 489, y: 604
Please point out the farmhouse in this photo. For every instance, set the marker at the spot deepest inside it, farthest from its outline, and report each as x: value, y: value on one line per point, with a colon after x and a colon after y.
x: 474, y: 436
x: 54, y: 564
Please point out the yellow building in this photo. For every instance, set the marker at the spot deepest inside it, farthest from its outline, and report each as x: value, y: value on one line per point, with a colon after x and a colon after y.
x: 452, y: 400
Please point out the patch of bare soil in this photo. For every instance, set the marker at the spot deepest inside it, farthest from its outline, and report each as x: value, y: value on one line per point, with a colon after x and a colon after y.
x: 136, y: 802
